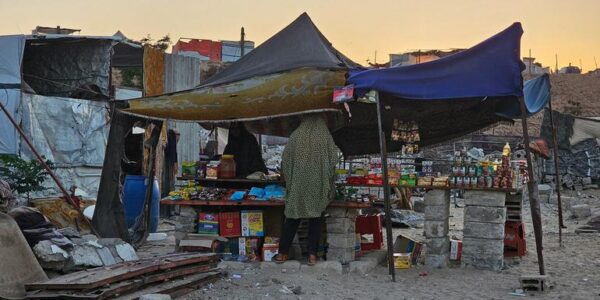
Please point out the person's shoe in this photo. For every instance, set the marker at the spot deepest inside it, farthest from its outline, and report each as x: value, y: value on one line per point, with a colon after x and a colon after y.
x: 312, y: 260
x: 280, y: 258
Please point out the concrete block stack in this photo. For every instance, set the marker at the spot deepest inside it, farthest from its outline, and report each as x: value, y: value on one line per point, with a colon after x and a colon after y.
x: 437, y: 212
x: 483, y: 242
x: 341, y: 236
x: 186, y: 219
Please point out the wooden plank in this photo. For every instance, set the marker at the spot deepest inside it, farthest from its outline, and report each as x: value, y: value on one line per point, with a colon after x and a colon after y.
x: 348, y: 204
x: 176, y: 286
x: 101, y: 276
x: 123, y: 287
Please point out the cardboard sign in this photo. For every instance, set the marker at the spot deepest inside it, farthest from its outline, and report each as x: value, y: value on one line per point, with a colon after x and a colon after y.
x: 343, y: 94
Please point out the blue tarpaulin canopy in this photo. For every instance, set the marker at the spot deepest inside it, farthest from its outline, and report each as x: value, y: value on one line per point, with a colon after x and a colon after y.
x: 536, y: 92
x: 448, y: 98
x: 491, y: 68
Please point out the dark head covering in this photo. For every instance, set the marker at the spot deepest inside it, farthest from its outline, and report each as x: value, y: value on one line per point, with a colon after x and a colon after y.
x: 245, y: 150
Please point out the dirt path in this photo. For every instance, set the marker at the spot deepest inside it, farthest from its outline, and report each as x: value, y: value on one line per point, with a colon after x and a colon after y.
x: 574, y: 271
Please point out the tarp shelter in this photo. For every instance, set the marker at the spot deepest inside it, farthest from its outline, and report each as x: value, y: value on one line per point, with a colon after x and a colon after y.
x: 449, y: 97
x: 293, y: 72
x: 11, y: 56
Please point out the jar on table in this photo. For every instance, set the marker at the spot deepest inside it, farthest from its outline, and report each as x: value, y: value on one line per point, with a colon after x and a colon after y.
x: 227, y: 167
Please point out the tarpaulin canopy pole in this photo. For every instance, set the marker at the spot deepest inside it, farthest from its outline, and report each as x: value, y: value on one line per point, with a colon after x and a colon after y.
x: 532, y: 189
x: 43, y: 163
x: 561, y: 225
x: 386, y: 192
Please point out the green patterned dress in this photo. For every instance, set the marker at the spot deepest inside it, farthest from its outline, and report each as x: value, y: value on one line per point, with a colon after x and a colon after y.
x: 308, y: 165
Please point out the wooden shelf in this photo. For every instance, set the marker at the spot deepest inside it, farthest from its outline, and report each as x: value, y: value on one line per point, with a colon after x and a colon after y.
x: 234, y: 180
x: 347, y: 204
x: 504, y: 190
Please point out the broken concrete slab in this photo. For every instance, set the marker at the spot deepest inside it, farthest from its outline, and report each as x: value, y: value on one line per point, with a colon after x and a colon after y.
x: 110, y: 241
x: 126, y: 252
x: 106, y: 256
x: 581, y: 211
x: 85, y: 256
x: 50, y: 256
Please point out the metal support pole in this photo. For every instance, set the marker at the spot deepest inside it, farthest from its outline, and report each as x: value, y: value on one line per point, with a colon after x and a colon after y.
x: 386, y: 192
x: 532, y: 187
x: 561, y: 224
x: 43, y: 163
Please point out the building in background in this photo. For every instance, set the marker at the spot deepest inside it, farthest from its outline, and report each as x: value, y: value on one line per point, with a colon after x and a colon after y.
x: 534, y: 68
x: 208, y: 50
x: 569, y: 70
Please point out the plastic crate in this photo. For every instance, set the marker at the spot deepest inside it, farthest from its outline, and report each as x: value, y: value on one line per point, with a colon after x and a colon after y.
x: 514, y: 239
x: 370, y: 225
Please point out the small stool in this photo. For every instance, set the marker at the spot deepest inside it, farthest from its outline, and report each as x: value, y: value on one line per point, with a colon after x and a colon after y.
x: 514, y: 239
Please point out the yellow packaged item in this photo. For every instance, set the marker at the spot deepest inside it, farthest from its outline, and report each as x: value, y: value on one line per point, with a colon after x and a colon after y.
x: 402, y: 260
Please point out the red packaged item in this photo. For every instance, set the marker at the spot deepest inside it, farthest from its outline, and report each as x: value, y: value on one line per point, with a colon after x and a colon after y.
x: 230, y: 224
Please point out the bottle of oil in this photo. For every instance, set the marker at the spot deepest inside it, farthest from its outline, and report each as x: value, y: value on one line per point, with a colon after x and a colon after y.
x: 506, y: 150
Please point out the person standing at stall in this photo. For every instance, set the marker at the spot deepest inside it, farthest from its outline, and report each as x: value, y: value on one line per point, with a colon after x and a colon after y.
x: 308, y: 167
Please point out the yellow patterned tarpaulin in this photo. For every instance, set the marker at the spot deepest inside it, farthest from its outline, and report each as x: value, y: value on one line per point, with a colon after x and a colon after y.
x: 288, y: 93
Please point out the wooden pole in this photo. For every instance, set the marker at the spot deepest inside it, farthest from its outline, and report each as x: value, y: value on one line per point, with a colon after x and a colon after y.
x: 561, y: 224
x: 386, y: 192
x: 43, y: 163
x: 532, y: 189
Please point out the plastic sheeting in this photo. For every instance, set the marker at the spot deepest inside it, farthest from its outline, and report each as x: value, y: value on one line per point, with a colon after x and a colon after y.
x: 11, y: 55
x: 69, y: 132
x: 10, y: 98
x: 584, y: 129
x: 537, y: 94
x: 77, y: 68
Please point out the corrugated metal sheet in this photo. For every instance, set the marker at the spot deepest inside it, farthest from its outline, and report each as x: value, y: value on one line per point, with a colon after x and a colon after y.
x: 181, y: 72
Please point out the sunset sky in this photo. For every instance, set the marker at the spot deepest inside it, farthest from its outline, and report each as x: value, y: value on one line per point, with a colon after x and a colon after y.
x: 570, y: 29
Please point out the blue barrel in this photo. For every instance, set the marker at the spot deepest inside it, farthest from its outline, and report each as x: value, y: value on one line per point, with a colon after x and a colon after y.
x: 134, y: 192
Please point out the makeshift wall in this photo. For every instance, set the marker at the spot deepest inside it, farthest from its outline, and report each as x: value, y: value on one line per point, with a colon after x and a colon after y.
x: 75, y: 68
x: 181, y: 73
x: 154, y: 72
x: 72, y: 133
x: 11, y: 55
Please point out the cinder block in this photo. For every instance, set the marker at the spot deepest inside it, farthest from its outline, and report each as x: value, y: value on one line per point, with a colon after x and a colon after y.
x: 436, y: 229
x: 485, y: 198
x: 436, y: 261
x: 483, y: 247
x: 485, y: 214
x: 495, y: 263
x: 340, y: 225
x: 438, y: 245
x: 341, y: 240
x: 340, y: 212
x: 437, y: 212
x: 483, y: 230
x: 437, y: 197
x: 343, y: 255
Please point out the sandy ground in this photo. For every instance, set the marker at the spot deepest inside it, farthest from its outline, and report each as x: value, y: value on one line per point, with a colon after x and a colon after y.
x: 574, y: 270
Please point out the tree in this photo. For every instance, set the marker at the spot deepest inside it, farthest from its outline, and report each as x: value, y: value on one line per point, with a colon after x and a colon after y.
x: 162, y: 44
x: 23, y: 176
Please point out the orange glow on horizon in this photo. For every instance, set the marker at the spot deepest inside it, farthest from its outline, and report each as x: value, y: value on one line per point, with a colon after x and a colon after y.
x: 570, y: 29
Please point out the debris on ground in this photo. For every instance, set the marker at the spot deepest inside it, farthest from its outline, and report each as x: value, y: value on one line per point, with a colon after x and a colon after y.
x: 173, y: 275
